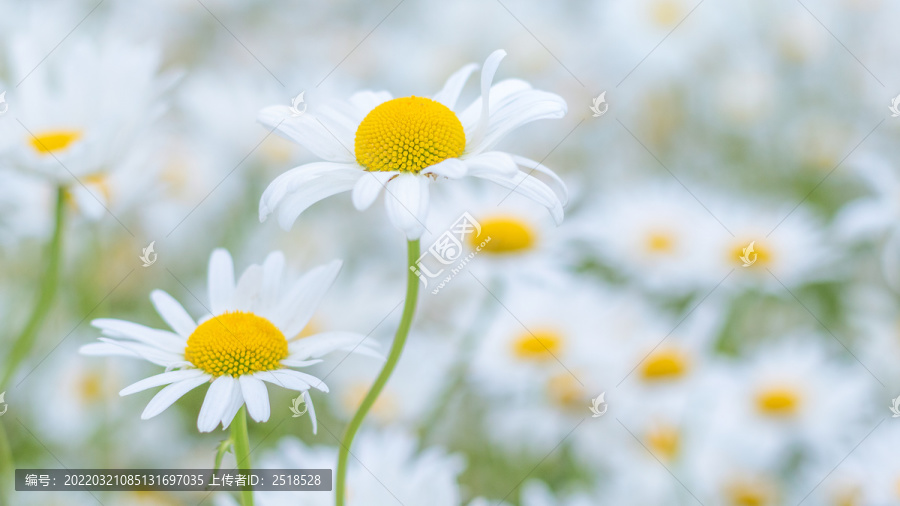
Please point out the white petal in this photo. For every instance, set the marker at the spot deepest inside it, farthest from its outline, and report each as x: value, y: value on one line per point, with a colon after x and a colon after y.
x: 298, y: 200
x: 319, y: 345
x: 167, y: 396
x: 559, y: 187
x: 300, y: 303
x: 161, y: 379
x: 217, y: 400
x: 514, y: 111
x: 454, y: 85
x: 294, y: 179
x: 367, y: 188
x: 364, y: 101
x: 530, y: 187
x: 307, y: 131
x: 173, y: 313
x: 501, y: 93
x: 237, y: 400
x: 288, y: 362
x: 256, y: 397
x: 273, y: 268
x: 220, y: 281
x: 292, y: 380
x: 451, y: 168
x: 161, y: 339
x: 247, y: 291
x: 487, y: 77
x: 406, y: 202
x: 148, y: 353
x: 492, y: 162
x: 312, y: 410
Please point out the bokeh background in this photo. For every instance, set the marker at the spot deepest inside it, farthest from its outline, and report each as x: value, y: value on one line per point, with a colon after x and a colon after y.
x: 727, y: 123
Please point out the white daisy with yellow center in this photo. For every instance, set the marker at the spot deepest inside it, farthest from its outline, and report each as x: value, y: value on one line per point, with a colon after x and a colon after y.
x: 374, y: 142
x: 82, y: 121
x: 253, y: 336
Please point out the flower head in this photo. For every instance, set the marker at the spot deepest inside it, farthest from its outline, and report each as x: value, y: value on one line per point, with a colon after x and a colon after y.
x: 374, y: 142
x: 250, y: 337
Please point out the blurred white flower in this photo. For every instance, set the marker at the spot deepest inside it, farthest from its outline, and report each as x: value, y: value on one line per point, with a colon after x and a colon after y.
x: 403, y: 144
x: 250, y: 337
x: 85, y: 116
x: 658, y: 235
x: 387, y: 470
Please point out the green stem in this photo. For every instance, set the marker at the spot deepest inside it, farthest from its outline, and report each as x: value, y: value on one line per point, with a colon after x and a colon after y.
x: 409, y: 309
x: 25, y: 342
x: 242, y: 450
x: 7, y: 465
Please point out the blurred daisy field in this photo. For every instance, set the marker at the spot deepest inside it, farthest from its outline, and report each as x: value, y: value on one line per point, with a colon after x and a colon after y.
x: 502, y: 253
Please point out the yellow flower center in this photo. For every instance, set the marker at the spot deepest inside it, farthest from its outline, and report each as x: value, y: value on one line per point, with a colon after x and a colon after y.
x: 660, y: 242
x: 750, y: 493
x: 665, y: 364
x: 565, y: 391
x: 90, y: 387
x: 508, y: 235
x: 664, y: 441
x: 236, y: 344
x: 53, y: 141
x: 666, y: 13
x: 538, y: 346
x: 778, y: 401
x: 761, y: 254
x: 408, y: 134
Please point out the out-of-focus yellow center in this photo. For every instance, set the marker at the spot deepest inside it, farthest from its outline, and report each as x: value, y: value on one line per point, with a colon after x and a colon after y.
x: 853, y: 496
x: 236, y: 344
x: 761, y: 254
x: 90, y: 386
x: 660, y: 242
x: 666, y: 13
x: 385, y: 407
x: 665, y: 364
x: 664, y: 441
x: 508, y: 235
x: 539, y: 346
x: 749, y: 493
x: 565, y: 391
x: 778, y: 401
x: 408, y: 134
x: 53, y: 141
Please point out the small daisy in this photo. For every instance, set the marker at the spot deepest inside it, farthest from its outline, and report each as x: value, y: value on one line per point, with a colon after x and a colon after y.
x: 403, y: 144
x: 252, y: 336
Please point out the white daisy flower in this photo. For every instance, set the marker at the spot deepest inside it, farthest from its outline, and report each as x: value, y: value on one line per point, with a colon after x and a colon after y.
x: 251, y: 337
x: 388, y: 469
x: 85, y: 117
x: 403, y: 144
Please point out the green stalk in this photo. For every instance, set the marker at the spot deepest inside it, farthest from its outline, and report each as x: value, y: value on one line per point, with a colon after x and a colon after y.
x: 242, y: 450
x: 25, y: 342
x: 7, y: 465
x: 409, y: 309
